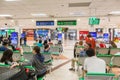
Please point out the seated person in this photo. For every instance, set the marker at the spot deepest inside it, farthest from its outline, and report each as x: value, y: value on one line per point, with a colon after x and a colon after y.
x: 50, y: 42
x: 7, y: 57
x: 46, y: 48
x: 37, y: 62
x: 93, y: 64
x: 4, y: 46
x: 39, y: 44
x: 87, y: 46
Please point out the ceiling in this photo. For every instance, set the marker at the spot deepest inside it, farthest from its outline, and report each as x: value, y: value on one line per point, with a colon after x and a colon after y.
x: 23, y: 9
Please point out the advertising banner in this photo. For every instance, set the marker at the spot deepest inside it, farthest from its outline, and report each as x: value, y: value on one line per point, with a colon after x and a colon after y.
x: 83, y: 35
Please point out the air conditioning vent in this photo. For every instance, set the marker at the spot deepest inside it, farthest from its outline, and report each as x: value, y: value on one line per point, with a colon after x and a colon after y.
x: 85, y: 4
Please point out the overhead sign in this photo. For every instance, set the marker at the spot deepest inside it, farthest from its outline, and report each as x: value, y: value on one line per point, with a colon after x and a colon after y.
x: 68, y: 22
x: 94, y: 21
x: 44, y: 23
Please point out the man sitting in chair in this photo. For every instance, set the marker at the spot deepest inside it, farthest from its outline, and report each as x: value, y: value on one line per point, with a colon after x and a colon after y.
x: 92, y: 64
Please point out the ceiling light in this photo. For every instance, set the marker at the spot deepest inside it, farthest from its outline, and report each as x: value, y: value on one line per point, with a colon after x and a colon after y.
x: 115, y: 12
x: 40, y: 15
x: 5, y: 15
x: 33, y: 20
x: 55, y: 20
x: 12, y: 0
x: 77, y: 14
x: 12, y: 20
x: 78, y: 19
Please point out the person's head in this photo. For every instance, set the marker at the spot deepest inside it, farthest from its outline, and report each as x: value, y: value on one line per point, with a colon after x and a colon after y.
x: 36, y: 50
x: 49, y: 40
x: 40, y: 41
x: 89, y: 36
x: 90, y: 52
x: 5, y: 43
x: 87, y: 46
x: 45, y: 42
x: 36, y: 40
x: 46, y: 46
x: 7, y: 56
x: 80, y: 42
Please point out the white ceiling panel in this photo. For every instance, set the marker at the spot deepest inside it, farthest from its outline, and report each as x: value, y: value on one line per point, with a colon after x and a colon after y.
x: 57, y: 8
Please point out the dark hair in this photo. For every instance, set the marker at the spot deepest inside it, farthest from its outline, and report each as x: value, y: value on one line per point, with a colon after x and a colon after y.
x: 45, y: 42
x: 37, y: 49
x: 49, y: 40
x: 5, y: 43
x: 46, y: 46
x: 89, y: 44
x: 7, y: 56
x: 40, y: 41
x: 90, y: 52
x: 80, y: 42
x: 89, y: 36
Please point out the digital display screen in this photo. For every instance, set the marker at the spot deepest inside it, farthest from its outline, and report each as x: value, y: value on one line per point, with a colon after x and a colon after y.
x: 14, y: 38
x: 59, y: 36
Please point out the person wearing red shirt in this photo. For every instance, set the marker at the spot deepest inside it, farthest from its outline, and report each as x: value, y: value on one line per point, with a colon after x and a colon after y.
x: 90, y: 40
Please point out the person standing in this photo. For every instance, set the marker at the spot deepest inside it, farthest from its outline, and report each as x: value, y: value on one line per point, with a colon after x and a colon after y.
x: 25, y: 41
x: 91, y: 40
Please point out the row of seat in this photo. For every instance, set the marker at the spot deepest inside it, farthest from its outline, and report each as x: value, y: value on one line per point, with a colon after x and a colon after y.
x: 111, y: 61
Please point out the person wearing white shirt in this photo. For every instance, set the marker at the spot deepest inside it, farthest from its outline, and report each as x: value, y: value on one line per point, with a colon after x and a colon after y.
x: 92, y: 64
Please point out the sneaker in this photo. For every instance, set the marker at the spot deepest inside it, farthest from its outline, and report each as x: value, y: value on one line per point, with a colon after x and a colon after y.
x: 72, y: 69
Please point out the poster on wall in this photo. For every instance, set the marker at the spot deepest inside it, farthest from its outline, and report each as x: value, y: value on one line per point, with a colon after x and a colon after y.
x: 93, y: 34
x: 83, y: 35
x: 99, y: 32
x: 14, y: 38
x: 106, y: 37
x: 59, y: 36
x: 116, y: 35
x: 29, y: 34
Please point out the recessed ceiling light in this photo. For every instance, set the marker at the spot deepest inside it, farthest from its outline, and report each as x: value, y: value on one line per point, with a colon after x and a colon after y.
x: 12, y: 20
x: 40, y: 15
x: 33, y: 20
x: 115, y: 13
x: 78, y: 19
x: 77, y: 14
x: 12, y: 0
x: 5, y: 15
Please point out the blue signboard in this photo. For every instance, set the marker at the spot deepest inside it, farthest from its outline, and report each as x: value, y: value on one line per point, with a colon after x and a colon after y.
x: 93, y: 34
x: 44, y: 23
x: 14, y: 38
x: 106, y: 37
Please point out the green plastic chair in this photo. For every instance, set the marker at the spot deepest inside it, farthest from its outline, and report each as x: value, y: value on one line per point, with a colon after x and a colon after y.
x: 99, y: 76
x: 41, y: 78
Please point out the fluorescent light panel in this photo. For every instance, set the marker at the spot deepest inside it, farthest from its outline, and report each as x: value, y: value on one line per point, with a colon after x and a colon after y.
x: 77, y: 14
x: 115, y: 12
x: 12, y: 0
x: 40, y: 15
x: 5, y: 15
